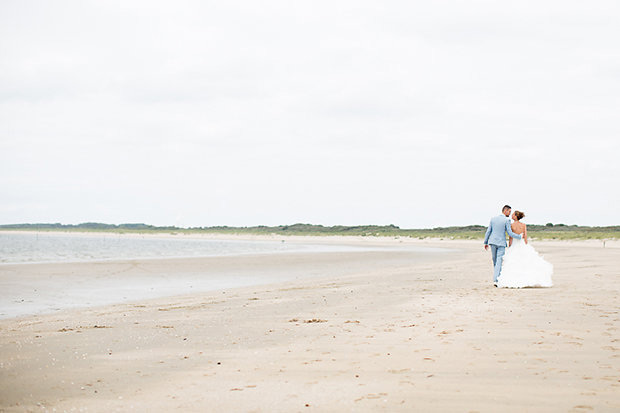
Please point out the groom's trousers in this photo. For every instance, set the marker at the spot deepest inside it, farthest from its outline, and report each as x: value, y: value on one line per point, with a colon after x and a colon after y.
x: 497, y: 252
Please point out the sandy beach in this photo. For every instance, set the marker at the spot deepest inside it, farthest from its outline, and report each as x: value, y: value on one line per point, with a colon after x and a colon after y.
x: 391, y: 330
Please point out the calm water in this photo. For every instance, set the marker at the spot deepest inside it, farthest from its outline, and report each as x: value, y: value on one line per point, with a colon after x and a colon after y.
x: 28, y: 294
x: 50, y: 247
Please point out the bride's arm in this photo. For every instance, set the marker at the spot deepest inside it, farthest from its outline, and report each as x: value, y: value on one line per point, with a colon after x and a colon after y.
x: 525, y: 233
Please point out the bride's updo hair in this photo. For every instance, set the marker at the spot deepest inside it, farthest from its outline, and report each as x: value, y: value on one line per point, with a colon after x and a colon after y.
x: 519, y: 215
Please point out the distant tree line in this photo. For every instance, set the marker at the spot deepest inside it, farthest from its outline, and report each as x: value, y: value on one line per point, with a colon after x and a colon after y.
x: 549, y: 230
x: 88, y: 226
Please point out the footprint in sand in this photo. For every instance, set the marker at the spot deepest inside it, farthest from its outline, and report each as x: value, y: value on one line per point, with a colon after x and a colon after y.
x: 371, y: 396
x: 582, y: 407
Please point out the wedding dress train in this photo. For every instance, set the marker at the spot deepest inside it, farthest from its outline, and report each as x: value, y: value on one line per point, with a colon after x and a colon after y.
x: 524, y: 267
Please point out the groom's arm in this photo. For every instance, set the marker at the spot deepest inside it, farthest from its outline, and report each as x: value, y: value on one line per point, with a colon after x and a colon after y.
x: 487, y: 235
x: 510, y: 233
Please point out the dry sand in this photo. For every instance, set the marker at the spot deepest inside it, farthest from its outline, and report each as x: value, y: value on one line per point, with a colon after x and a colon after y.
x: 371, y: 331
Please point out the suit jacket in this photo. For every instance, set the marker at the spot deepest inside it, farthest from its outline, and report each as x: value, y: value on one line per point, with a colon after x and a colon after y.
x: 496, y: 233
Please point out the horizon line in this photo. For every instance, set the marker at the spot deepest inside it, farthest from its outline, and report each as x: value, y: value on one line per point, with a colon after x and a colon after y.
x: 384, y: 226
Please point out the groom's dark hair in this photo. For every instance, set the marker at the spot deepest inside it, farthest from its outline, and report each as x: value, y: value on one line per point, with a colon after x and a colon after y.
x: 506, y: 207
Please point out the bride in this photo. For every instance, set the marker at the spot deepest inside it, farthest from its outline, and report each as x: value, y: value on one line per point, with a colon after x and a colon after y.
x: 523, y: 266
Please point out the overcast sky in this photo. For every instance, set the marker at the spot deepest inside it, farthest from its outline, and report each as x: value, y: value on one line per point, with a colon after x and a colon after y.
x: 413, y: 113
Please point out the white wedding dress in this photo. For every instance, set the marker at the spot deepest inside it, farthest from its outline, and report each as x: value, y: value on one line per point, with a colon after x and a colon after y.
x: 524, y: 267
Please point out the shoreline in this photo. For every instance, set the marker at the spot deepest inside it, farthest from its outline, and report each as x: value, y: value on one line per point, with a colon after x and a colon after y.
x: 328, y: 239
x: 36, y: 288
x: 374, y: 331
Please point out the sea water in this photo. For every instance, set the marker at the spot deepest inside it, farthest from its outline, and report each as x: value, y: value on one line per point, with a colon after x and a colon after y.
x: 25, y: 292
x: 24, y: 247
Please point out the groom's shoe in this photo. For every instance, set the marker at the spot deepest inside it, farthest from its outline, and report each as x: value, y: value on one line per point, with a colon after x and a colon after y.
x: 494, y: 284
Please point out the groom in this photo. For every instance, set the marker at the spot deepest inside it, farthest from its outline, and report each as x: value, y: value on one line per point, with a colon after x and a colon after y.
x: 496, y: 237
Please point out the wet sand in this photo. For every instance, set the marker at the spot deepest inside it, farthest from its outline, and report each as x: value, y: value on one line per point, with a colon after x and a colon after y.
x: 368, y: 331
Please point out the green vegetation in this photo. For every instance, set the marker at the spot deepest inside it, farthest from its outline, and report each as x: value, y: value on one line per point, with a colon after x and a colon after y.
x: 548, y: 231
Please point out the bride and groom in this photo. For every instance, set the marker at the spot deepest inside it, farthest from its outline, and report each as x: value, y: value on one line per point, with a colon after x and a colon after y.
x: 520, y: 265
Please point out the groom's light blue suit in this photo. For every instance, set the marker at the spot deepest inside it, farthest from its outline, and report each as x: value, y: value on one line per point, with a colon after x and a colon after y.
x: 496, y: 237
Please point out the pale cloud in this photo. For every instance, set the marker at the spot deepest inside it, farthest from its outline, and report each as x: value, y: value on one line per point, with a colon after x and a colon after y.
x: 244, y: 113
